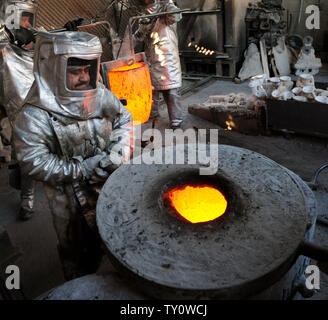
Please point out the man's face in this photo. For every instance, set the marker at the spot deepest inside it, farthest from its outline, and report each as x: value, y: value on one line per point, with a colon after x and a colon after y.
x: 78, y: 78
x: 26, y: 23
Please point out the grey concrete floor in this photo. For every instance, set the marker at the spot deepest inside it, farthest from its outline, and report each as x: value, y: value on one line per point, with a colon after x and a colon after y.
x: 36, y: 239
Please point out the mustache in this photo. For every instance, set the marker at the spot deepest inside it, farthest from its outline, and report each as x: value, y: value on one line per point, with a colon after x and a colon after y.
x: 85, y: 83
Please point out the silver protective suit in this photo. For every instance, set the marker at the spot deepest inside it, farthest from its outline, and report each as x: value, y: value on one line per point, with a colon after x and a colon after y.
x: 16, y: 63
x: 16, y: 78
x: 162, y: 49
x: 58, y: 129
x: 16, y: 74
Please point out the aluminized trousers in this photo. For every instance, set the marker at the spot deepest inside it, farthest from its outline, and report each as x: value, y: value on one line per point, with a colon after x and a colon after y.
x: 172, y: 101
x: 79, y: 246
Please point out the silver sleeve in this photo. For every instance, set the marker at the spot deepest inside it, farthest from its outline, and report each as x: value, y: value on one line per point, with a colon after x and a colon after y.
x: 122, y: 137
x: 38, y: 151
x: 4, y: 38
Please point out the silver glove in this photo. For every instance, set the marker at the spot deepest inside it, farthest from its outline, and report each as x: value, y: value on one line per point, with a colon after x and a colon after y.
x: 107, y: 165
x: 89, y: 165
x: 99, y: 176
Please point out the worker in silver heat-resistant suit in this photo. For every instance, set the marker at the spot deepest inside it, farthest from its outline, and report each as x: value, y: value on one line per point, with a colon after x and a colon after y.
x: 16, y: 76
x: 71, y: 134
x: 162, y: 52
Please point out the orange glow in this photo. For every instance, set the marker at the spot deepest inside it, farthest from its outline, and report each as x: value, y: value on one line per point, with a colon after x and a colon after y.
x: 133, y: 84
x: 198, y: 204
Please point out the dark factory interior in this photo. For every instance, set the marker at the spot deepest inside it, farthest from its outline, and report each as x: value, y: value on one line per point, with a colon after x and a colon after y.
x: 163, y: 150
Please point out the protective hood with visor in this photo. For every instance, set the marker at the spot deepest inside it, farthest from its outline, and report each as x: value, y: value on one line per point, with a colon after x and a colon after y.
x: 18, y: 13
x: 66, y: 71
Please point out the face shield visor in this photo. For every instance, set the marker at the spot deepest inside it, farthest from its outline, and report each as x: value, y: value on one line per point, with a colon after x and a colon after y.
x: 82, y: 74
x: 18, y: 14
x: 27, y: 20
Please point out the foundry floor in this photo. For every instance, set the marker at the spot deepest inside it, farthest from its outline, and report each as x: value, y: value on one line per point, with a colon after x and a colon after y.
x: 36, y: 239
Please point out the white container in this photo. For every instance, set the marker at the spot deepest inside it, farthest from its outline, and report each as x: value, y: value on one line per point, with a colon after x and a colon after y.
x: 275, y: 80
x: 257, y: 80
x: 259, y: 92
x: 287, y: 95
x: 276, y: 94
x: 285, y: 78
x: 308, y: 89
x: 305, y: 80
x: 321, y: 99
x: 297, y: 91
x: 300, y: 98
x: 308, y: 92
x: 324, y: 93
x: 286, y: 83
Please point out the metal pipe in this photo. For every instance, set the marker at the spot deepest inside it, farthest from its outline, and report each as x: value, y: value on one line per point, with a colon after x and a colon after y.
x: 86, y: 26
x: 322, y: 221
x: 203, y: 12
x: 316, y: 175
x: 161, y: 14
x: 79, y: 27
x: 313, y: 251
x: 300, y: 12
x: 195, y: 85
x: 131, y: 36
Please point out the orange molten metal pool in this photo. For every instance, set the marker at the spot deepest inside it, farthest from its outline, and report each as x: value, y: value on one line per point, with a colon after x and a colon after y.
x: 133, y: 83
x: 197, y: 204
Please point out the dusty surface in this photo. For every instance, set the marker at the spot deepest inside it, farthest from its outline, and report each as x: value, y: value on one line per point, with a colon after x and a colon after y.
x: 265, y: 223
x: 40, y: 267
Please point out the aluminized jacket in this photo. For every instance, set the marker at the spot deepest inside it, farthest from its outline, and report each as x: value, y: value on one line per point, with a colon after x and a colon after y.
x: 162, y: 50
x: 58, y: 130
x: 51, y: 146
x: 16, y: 75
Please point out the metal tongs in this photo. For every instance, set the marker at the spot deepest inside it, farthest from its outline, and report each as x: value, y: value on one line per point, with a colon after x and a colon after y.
x: 86, y: 26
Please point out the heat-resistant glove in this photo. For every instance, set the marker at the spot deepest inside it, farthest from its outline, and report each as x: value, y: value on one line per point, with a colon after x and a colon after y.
x: 99, y: 176
x: 89, y: 165
x: 144, y: 27
x: 107, y: 165
x: 144, y: 21
x: 73, y: 24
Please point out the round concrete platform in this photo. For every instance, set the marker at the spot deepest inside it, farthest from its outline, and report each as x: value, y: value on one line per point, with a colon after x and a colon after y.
x: 248, y: 249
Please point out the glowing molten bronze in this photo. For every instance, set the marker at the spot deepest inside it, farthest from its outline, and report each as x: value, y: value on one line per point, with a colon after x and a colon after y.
x: 133, y: 84
x: 197, y: 204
